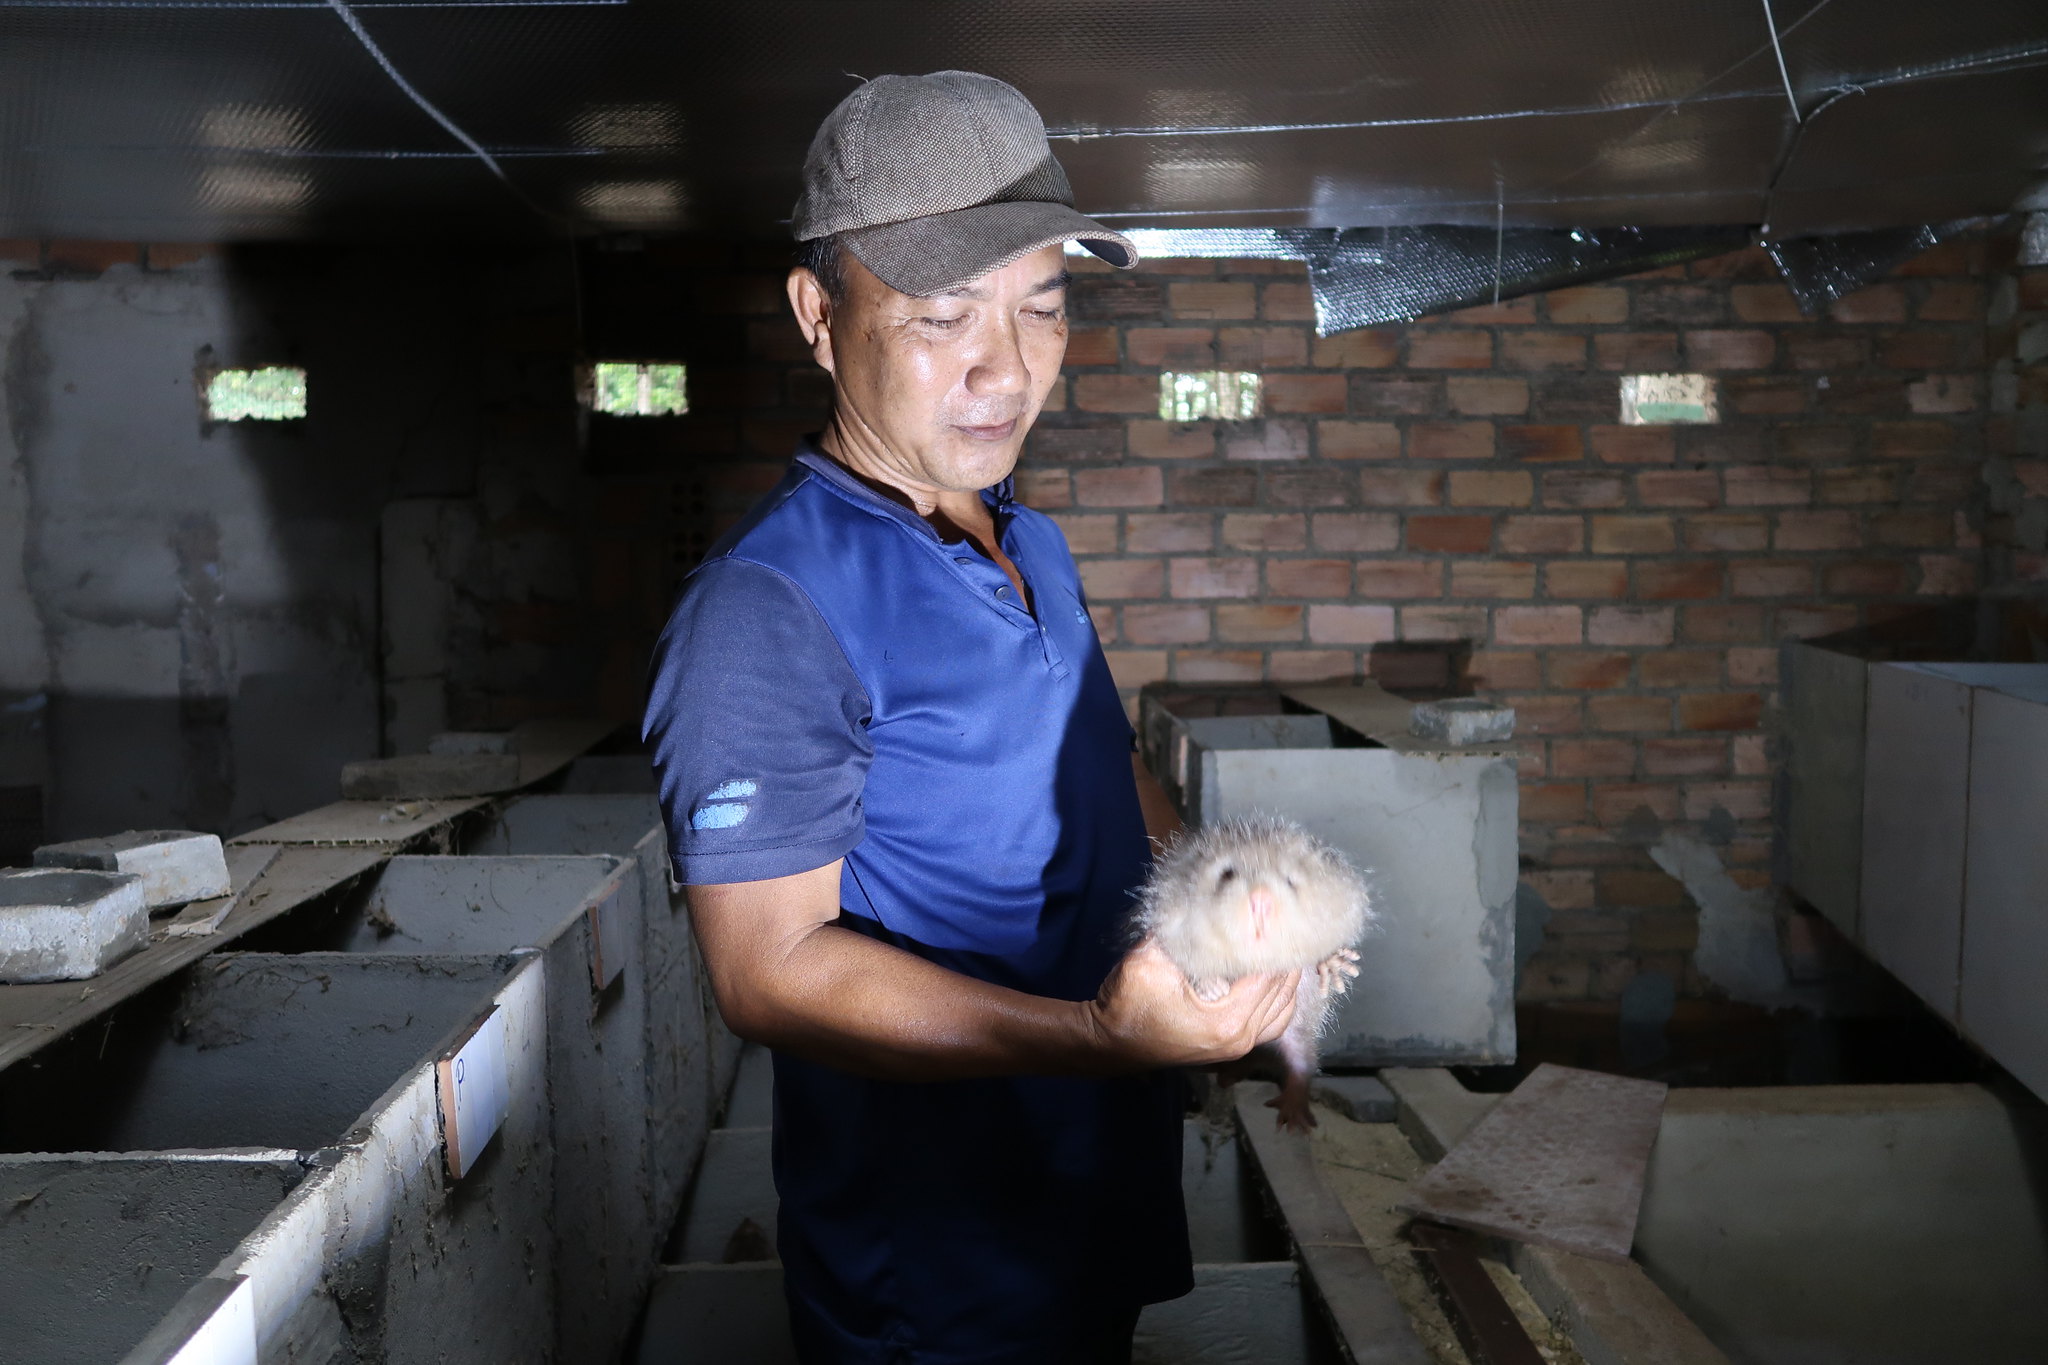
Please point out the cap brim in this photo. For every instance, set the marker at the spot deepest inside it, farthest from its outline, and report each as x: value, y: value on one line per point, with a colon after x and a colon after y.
x: 924, y: 256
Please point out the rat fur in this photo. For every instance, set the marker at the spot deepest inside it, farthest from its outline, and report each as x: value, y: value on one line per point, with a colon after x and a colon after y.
x: 1261, y: 894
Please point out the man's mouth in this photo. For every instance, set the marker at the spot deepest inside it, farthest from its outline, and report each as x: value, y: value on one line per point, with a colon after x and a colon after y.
x: 1001, y: 431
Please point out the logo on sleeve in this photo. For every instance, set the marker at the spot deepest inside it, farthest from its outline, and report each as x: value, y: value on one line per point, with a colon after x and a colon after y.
x: 725, y: 807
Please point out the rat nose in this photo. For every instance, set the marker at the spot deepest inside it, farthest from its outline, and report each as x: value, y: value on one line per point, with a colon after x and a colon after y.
x: 1261, y: 901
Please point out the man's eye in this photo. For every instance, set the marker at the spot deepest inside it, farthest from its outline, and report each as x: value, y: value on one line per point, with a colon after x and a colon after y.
x: 1048, y: 314
x: 943, y: 324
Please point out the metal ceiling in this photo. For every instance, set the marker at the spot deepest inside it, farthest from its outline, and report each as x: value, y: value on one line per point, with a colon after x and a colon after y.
x: 246, y: 119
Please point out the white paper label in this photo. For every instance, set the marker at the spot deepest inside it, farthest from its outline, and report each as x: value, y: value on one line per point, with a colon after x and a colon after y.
x: 475, y: 1093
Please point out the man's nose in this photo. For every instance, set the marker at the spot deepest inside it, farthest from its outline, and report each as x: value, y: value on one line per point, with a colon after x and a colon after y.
x: 1000, y: 367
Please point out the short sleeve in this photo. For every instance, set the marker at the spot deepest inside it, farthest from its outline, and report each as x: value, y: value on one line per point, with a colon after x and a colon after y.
x: 757, y: 728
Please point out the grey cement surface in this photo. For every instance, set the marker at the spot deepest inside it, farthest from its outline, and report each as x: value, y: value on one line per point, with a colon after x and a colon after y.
x: 734, y: 1186
x: 268, y: 1050
x: 58, y: 924
x: 94, y: 1250
x: 175, y: 865
x: 430, y: 905
x: 1362, y: 1099
x: 1852, y: 1225
x: 1824, y: 730
x: 1462, y: 721
x: 1916, y: 791
x: 752, y: 1101
x: 428, y: 777
x: 1436, y: 835
x: 2005, y: 933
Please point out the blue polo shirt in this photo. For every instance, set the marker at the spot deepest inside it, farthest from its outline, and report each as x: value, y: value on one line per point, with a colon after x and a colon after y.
x: 838, y: 681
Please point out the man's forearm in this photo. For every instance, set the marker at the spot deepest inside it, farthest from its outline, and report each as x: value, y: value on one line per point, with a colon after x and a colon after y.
x: 839, y: 997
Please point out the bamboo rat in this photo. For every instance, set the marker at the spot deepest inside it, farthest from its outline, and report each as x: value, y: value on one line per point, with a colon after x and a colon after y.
x: 1258, y: 895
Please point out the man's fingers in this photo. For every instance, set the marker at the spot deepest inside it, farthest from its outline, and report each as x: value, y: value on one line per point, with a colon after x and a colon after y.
x: 1277, y: 1009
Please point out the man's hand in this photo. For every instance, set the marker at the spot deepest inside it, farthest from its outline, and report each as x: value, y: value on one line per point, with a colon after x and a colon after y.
x: 1149, y: 1013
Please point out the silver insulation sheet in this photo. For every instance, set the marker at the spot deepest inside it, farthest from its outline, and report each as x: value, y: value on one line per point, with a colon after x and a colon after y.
x: 228, y: 119
x: 1819, y: 270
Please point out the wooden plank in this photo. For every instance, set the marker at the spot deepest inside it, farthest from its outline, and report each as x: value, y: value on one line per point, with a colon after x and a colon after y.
x: 1559, y: 1162
x: 1369, y: 1321
x: 1486, y: 1326
x: 246, y: 863
x: 363, y: 822
x: 32, y: 1016
x: 1615, y: 1314
x: 1366, y: 707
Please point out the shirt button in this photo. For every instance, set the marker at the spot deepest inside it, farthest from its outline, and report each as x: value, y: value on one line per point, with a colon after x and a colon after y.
x: 962, y: 559
x: 1003, y: 591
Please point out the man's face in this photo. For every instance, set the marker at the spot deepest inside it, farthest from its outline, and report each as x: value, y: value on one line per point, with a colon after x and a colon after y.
x: 947, y: 386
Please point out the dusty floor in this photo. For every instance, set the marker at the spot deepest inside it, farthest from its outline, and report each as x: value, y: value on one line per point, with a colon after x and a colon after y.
x: 1369, y: 1166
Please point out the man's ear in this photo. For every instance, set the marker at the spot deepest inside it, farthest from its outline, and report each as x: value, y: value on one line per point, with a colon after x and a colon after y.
x: 813, y: 309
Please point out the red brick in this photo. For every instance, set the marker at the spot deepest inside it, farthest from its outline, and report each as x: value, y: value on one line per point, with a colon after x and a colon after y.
x: 1400, y: 488
x: 1472, y: 578
x: 1116, y: 393
x: 1258, y: 623
x: 1287, y: 301
x: 1543, y: 350
x: 1633, y: 445
x: 1633, y: 535
x: 1358, y: 440
x: 1636, y: 352
x: 1261, y: 348
x: 1818, y: 531
x: 1945, y: 393
x: 1367, y: 531
x: 1214, y: 299
x: 1450, y: 535
x: 1166, y: 623
x: 1308, y: 577
x: 1872, y: 303
x: 1136, y: 667
x: 1588, y: 303
x: 1764, y: 303
x: 1218, y: 665
x: 1180, y: 265
x: 1599, y: 578
x: 1350, y: 624
x: 1450, y: 441
x: 1214, y: 577
x: 1130, y: 486
x: 1767, y: 486
x: 1089, y: 534
x: 1492, y: 670
x: 1679, y: 580
x: 1583, y: 488
x: 1553, y: 803
x: 1629, y: 715
x: 1442, y: 623
x: 1771, y: 578
x: 1629, y: 625
x: 1311, y: 665
x: 1857, y: 485
x: 1947, y: 576
x: 1542, y: 444
x: 1819, y: 442
x: 1395, y: 395
x: 2034, y: 289
x: 1743, y: 800
x: 1552, y: 714
x: 1764, y: 395
x: 1487, y: 395
x: 1178, y: 348
x: 1508, y: 312
x: 1682, y: 668
x: 1686, y: 756
x: 1272, y: 439
x: 1753, y: 667
x: 1937, y: 348
x: 1104, y: 620
x: 1678, y: 488
x: 1944, y: 301
x: 1865, y: 578
x: 1170, y: 531
x: 1641, y: 888
x: 1367, y: 348
x: 1449, y: 350
x: 89, y: 258
x: 1619, y: 803
x: 1105, y: 579
x: 1725, y: 624
x: 1589, y: 670
x: 1265, y: 531
x: 1379, y: 578
x: 1214, y: 487
x: 1804, y: 622
x: 1491, y: 488
x: 1721, y: 711
x: 1314, y: 393
x: 1155, y: 440
x: 1833, y: 351
x: 1313, y: 486
x: 1044, y: 489
x: 1541, y: 535
x: 1557, y: 625
x: 1679, y: 304
x: 1721, y: 349
x: 1593, y: 758
x: 1752, y: 754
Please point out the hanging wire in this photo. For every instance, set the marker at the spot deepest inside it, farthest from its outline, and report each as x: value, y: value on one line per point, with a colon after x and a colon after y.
x: 1783, y: 74
x: 1500, y: 230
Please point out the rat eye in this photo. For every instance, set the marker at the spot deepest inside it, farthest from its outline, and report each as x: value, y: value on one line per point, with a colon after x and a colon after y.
x: 1226, y: 875
x: 1293, y: 885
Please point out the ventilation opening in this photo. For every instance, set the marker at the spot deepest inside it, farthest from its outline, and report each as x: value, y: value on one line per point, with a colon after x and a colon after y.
x: 271, y: 393
x: 636, y: 388
x: 1227, y: 395
x: 1649, y: 400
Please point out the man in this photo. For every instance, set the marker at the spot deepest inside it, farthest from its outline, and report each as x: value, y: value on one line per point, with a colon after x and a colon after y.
x: 902, y: 791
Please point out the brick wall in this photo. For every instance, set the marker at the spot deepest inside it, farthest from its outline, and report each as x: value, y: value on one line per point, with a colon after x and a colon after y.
x: 1453, y: 505
x: 2016, y: 471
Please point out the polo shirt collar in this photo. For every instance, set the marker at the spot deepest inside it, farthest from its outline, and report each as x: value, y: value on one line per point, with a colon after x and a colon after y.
x: 999, y: 498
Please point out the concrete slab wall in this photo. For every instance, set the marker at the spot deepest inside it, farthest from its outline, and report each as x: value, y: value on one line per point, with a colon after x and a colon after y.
x: 1823, y: 839
x: 2005, y: 917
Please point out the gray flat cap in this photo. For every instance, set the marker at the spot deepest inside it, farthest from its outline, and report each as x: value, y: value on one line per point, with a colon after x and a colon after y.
x: 936, y: 180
